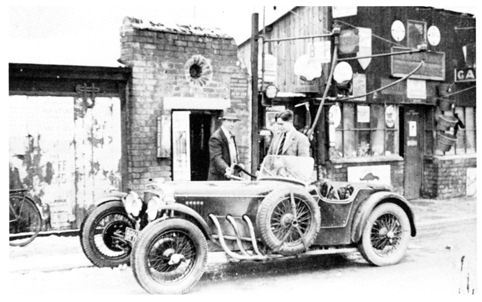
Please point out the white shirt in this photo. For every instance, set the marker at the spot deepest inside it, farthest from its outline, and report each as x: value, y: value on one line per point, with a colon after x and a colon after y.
x: 231, y: 144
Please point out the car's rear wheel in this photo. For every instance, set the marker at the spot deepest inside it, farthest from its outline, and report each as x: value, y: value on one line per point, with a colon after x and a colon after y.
x: 288, y: 221
x: 169, y: 256
x: 102, y: 235
x: 385, y: 236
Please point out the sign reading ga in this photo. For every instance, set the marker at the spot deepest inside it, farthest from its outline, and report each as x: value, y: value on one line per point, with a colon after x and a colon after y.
x: 464, y: 75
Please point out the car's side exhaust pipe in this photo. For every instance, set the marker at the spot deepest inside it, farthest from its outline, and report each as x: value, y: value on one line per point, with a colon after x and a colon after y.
x: 221, y: 238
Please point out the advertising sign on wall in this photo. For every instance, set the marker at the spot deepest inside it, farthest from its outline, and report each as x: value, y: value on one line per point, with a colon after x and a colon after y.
x: 379, y: 173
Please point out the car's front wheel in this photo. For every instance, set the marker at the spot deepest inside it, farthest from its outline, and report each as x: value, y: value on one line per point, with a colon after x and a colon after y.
x: 386, y: 235
x: 169, y: 256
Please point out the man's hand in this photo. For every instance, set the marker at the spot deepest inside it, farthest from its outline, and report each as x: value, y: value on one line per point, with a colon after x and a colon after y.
x: 229, y: 171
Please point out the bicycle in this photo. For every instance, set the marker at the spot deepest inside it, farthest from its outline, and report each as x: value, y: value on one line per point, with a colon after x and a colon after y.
x: 25, y: 218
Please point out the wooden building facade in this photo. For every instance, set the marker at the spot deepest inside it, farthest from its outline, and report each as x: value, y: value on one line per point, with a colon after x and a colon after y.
x: 396, y: 135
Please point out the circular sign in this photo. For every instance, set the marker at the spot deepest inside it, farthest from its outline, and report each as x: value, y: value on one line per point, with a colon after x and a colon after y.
x: 433, y: 35
x: 334, y: 115
x: 398, y: 30
x: 390, y: 116
x: 343, y: 73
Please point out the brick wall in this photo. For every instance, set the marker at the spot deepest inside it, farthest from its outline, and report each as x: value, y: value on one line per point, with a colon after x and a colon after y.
x: 338, y: 172
x: 158, y: 56
x: 446, y: 177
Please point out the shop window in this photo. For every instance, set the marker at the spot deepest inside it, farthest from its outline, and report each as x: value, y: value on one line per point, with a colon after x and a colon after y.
x: 417, y: 33
x: 429, y: 141
x: 465, y: 137
x: 364, y: 130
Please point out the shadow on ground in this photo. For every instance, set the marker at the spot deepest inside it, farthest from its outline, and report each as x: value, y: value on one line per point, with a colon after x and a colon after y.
x: 280, y: 267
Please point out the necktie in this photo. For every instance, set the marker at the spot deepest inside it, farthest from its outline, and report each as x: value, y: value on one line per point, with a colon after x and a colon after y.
x: 281, y: 144
x: 235, y: 157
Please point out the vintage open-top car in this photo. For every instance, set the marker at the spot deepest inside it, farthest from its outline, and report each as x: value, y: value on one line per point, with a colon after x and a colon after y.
x: 164, y: 233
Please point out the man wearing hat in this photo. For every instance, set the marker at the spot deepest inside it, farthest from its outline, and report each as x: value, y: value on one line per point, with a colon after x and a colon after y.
x: 223, y: 152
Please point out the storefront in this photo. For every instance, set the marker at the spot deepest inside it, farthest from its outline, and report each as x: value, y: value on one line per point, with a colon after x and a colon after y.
x: 396, y: 134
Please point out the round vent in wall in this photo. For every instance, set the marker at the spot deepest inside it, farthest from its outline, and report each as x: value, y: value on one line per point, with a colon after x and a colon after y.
x: 198, y: 70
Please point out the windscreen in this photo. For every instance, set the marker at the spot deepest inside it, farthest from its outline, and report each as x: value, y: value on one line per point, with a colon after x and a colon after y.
x: 289, y: 167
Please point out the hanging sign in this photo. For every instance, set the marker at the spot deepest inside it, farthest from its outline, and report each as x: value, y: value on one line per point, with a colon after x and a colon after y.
x: 349, y: 41
x: 464, y: 75
x: 364, y: 46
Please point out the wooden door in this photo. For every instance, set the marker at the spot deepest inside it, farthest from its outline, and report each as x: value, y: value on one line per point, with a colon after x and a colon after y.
x: 413, y: 151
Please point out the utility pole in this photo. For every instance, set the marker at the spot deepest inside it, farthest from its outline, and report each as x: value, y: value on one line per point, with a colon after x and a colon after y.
x: 254, y: 94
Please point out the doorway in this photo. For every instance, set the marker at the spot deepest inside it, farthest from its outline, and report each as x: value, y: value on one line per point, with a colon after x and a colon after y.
x: 202, y: 124
x: 190, y: 133
x: 412, y: 149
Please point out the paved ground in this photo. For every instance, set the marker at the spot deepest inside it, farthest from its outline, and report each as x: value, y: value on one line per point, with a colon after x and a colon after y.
x: 431, y: 212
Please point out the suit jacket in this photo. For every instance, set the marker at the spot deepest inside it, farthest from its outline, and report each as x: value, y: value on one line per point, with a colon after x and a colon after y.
x: 219, y: 157
x: 296, y: 144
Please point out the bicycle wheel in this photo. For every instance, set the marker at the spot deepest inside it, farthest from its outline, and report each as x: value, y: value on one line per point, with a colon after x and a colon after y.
x: 25, y: 220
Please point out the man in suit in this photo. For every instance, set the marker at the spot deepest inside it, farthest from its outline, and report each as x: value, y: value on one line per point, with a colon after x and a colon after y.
x: 223, y: 152
x: 288, y: 141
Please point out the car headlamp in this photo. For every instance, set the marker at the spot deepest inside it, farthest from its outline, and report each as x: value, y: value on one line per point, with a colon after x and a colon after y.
x: 132, y: 203
x: 153, y: 206
x: 164, y: 194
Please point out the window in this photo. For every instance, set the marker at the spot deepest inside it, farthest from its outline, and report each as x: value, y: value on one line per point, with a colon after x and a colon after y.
x: 429, y: 132
x: 466, y: 143
x: 417, y: 33
x: 363, y: 130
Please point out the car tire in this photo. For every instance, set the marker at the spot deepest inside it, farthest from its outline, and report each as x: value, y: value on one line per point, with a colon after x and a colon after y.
x: 385, y: 235
x: 157, y: 245
x: 106, y: 250
x: 280, y: 230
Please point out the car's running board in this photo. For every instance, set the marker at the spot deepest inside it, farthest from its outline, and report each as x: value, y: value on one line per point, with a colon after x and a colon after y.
x: 257, y: 255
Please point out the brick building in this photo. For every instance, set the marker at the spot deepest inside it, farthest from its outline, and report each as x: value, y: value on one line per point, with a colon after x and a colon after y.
x: 182, y: 79
x: 403, y: 135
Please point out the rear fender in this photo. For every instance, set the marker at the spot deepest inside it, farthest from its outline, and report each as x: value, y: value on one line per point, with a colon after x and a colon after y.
x: 189, y: 212
x: 367, y: 206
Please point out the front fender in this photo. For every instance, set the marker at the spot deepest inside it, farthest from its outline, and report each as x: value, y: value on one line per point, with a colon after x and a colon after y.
x: 199, y: 221
x: 367, y: 206
x: 112, y: 196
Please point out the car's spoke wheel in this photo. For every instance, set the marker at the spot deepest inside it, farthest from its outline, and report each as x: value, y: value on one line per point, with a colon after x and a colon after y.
x: 385, y: 236
x: 288, y: 220
x: 169, y: 256
x: 102, y: 235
